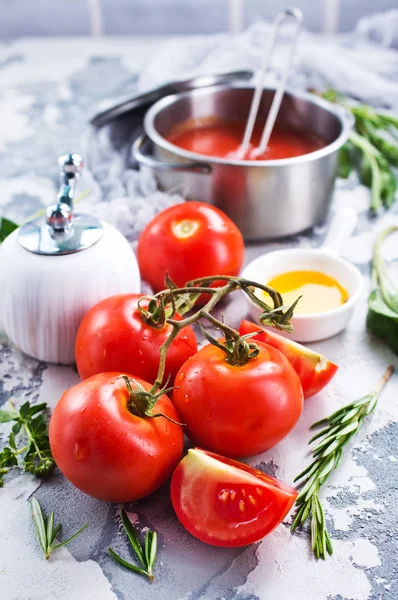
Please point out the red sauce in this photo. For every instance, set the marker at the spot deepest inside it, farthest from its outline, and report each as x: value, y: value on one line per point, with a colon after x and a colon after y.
x: 223, y: 139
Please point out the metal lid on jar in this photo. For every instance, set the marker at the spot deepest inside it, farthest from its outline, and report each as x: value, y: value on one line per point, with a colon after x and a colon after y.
x: 61, y: 231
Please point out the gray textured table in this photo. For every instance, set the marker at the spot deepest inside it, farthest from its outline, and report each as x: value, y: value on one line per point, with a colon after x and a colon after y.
x: 48, y: 89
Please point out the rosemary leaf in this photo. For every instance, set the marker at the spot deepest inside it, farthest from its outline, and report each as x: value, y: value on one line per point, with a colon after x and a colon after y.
x: 38, y: 520
x: 154, y: 547
x: 50, y: 528
x: 72, y: 537
x: 133, y: 537
x: 348, y: 429
x: 327, y: 468
x: 147, y: 546
x: 126, y: 564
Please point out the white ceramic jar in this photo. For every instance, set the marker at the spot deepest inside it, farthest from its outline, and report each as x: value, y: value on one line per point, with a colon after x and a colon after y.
x: 44, y: 298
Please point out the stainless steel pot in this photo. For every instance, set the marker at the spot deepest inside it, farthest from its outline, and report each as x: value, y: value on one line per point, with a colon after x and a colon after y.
x: 266, y: 199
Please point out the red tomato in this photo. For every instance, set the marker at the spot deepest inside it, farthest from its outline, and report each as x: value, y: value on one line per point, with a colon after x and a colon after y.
x: 237, y: 505
x: 188, y: 241
x: 113, y: 337
x: 107, y: 451
x: 315, y: 371
x: 238, y: 410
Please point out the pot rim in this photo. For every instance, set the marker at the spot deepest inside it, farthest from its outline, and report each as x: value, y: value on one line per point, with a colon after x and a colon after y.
x: 345, y: 118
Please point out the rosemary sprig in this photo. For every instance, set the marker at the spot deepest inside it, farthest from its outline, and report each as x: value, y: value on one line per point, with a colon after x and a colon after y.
x: 46, y: 530
x: 31, y: 426
x: 337, y: 430
x: 146, y: 552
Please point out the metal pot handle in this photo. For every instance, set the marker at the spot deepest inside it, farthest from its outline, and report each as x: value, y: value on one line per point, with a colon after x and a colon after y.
x: 153, y: 163
x: 346, y: 116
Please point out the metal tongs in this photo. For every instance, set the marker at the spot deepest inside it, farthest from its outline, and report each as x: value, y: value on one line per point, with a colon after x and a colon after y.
x: 297, y: 15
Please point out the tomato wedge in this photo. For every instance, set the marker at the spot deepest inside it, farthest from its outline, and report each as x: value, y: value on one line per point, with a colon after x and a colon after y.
x: 314, y: 370
x: 224, y: 502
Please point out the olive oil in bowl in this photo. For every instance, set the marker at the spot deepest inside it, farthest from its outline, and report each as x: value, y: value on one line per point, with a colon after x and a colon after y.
x: 319, y: 292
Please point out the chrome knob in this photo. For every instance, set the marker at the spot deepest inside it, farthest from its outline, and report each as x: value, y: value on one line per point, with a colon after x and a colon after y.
x: 59, y: 216
x: 71, y: 163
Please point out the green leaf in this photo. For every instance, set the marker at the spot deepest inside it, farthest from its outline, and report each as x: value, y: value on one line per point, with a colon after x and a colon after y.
x: 16, y: 428
x: 386, y: 148
x: 349, y: 415
x: 6, y: 227
x: 72, y: 537
x: 331, y: 448
x: 11, y: 441
x: 56, y: 532
x: 37, y: 408
x: 329, y: 546
x: 348, y: 429
x: 6, y: 416
x: 147, y: 546
x: 133, y: 537
x: 24, y: 411
x: 154, y: 547
x: 307, y: 471
x: 382, y: 318
x: 8, y: 458
x: 50, y: 528
x: 382, y: 321
x: 126, y: 564
x: 297, y: 521
x: 2, y: 473
x: 327, y: 468
x: 40, y: 526
x: 345, y: 161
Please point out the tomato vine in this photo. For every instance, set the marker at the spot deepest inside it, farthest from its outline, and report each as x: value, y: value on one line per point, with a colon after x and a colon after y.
x: 164, y: 306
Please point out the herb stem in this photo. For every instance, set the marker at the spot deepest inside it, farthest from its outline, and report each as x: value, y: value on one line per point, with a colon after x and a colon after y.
x: 384, y: 380
x: 28, y: 432
x: 179, y: 325
x: 272, y: 316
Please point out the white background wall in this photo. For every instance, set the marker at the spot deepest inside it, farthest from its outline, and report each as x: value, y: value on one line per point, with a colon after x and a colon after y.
x: 125, y: 17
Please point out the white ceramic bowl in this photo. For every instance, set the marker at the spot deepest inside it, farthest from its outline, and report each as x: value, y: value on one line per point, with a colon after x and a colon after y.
x: 317, y: 326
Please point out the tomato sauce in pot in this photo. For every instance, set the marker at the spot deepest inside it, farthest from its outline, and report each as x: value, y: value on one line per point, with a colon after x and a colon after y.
x: 222, y: 139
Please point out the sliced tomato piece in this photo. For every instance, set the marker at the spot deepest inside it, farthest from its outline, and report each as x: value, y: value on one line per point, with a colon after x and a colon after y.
x: 224, y: 502
x: 314, y: 370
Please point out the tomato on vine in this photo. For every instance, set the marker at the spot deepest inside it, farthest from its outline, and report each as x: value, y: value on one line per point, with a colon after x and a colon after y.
x: 238, y: 398
x: 114, y: 440
x: 115, y: 336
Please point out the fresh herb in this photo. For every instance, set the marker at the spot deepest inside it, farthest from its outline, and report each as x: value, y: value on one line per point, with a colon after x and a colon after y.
x: 382, y: 319
x: 30, y: 423
x: 146, y: 552
x: 6, y: 227
x: 46, y: 529
x: 337, y: 430
x: 372, y: 149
